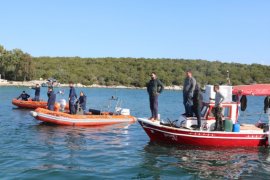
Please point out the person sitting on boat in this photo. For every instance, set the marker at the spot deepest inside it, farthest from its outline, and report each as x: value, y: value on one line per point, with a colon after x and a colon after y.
x: 37, y: 92
x: 24, y: 96
x: 72, y: 98
x: 51, y: 99
x: 197, y: 104
x: 154, y: 88
x: 188, y: 89
x: 217, y: 110
x: 81, y: 102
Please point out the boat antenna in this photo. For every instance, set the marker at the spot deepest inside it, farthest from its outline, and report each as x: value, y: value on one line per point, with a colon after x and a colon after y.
x: 228, y: 78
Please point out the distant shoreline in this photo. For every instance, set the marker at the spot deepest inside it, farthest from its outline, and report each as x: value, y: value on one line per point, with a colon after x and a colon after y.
x: 34, y: 82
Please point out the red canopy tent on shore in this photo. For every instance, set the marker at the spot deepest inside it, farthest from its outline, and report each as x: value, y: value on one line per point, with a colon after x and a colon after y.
x: 252, y: 90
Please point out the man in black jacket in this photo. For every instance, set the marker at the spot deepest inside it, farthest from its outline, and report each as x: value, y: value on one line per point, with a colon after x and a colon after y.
x: 37, y: 92
x: 51, y: 99
x: 188, y: 89
x: 197, y: 104
x: 154, y: 88
x: 81, y: 102
x: 72, y: 98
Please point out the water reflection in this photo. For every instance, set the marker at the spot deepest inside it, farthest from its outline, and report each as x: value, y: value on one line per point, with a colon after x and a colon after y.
x: 204, y: 162
x: 76, y: 137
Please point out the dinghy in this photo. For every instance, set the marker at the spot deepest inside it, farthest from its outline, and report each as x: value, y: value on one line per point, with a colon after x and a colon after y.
x: 62, y: 118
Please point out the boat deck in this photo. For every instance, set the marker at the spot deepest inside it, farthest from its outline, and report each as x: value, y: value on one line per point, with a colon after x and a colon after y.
x: 250, y: 128
x: 244, y: 128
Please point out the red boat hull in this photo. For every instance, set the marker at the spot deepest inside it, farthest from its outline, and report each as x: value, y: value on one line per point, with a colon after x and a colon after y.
x: 170, y: 135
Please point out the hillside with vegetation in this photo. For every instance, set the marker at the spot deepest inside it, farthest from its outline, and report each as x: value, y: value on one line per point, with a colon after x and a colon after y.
x: 17, y: 65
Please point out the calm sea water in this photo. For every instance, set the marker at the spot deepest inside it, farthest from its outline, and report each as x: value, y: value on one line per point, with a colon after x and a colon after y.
x: 30, y: 149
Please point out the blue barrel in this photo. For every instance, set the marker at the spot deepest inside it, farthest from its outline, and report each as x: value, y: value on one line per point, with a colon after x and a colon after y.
x: 236, y: 127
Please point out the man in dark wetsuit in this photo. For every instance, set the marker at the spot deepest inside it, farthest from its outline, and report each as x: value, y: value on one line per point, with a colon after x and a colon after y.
x: 51, y: 99
x: 37, y: 92
x: 188, y: 89
x: 154, y: 88
x: 24, y: 96
x: 72, y: 99
x: 197, y: 104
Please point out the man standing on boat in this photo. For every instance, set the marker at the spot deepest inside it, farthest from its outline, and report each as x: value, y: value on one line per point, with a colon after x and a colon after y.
x: 37, y: 92
x: 219, y: 98
x: 51, y: 99
x: 197, y: 104
x: 72, y: 98
x: 188, y: 89
x: 154, y: 88
x: 81, y: 103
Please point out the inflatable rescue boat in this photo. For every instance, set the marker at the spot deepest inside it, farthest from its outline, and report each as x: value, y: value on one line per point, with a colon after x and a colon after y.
x: 62, y: 118
x: 29, y: 104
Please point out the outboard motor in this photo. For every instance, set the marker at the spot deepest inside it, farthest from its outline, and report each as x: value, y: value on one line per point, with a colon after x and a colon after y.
x: 125, y: 112
x: 63, y: 104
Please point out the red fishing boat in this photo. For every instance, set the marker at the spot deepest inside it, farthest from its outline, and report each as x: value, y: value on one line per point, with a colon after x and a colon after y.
x: 181, y: 132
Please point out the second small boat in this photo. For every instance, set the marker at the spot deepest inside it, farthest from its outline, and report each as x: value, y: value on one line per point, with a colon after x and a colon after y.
x: 61, y: 118
x: 29, y: 104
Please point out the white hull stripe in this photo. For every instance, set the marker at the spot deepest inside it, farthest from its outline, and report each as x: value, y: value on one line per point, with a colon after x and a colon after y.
x: 96, y: 120
x: 201, y: 136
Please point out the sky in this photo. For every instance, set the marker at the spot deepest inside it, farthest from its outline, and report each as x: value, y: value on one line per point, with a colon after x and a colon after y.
x: 227, y: 31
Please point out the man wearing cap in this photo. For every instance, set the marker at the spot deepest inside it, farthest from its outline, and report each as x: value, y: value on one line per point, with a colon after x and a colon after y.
x: 188, y: 89
x: 154, y: 88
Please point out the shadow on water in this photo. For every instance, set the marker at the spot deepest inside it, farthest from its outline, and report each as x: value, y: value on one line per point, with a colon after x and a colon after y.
x: 201, y: 162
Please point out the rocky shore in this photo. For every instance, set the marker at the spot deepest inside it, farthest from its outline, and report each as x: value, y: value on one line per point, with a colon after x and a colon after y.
x: 34, y: 82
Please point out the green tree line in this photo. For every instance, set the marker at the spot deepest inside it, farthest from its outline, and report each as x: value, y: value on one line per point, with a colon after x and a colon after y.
x: 17, y: 65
